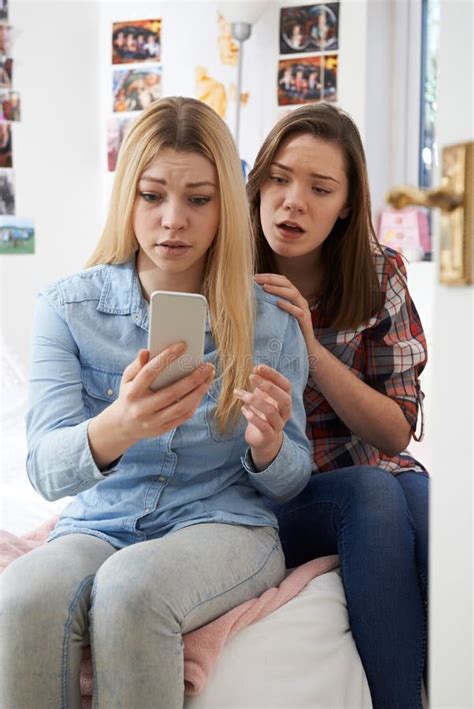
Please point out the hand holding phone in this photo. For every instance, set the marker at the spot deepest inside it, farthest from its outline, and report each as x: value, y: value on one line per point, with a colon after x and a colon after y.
x: 138, y: 412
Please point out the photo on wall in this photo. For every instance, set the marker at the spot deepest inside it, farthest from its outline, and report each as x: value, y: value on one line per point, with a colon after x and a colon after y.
x: 6, y: 159
x: 17, y: 235
x: 300, y: 80
x: 5, y: 38
x: 330, y: 64
x: 7, y: 192
x: 134, y: 89
x: 136, y: 41
x: 310, y: 28
x: 10, y: 106
x: 117, y: 129
x: 6, y: 66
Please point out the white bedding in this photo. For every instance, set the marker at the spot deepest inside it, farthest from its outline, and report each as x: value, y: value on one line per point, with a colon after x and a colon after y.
x: 302, y: 655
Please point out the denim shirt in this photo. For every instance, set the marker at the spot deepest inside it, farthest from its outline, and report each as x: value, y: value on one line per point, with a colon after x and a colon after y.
x: 87, y: 328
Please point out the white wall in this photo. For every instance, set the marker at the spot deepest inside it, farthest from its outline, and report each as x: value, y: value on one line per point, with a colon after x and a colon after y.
x: 55, y: 152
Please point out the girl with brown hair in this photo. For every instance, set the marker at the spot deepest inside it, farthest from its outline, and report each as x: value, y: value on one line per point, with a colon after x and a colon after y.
x: 367, y: 499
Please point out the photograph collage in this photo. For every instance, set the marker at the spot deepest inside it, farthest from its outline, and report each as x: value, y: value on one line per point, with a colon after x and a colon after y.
x: 16, y: 233
x: 136, y: 77
x: 309, y: 45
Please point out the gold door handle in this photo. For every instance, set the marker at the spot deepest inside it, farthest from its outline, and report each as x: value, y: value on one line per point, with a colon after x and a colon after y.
x: 443, y: 197
x: 455, y: 198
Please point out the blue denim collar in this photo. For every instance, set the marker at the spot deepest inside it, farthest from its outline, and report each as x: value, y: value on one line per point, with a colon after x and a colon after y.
x: 121, y: 294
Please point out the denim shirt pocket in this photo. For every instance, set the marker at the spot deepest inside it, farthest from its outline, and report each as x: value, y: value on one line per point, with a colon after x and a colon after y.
x: 233, y: 433
x: 100, y: 388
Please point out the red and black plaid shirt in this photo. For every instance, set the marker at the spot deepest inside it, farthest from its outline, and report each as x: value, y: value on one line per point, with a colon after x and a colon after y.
x: 388, y: 353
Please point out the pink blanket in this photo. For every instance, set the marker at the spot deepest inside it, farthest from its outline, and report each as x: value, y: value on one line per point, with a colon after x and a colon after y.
x: 203, y: 646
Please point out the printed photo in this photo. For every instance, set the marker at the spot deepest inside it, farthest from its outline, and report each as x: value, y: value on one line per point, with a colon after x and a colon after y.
x: 117, y: 129
x: 136, y: 41
x: 10, y: 106
x: 311, y: 28
x: 6, y: 65
x: 5, y: 145
x: 329, y: 92
x: 300, y: 81
x: 3, y: 9
x: 17, y: 235
x: 7, y: 192
x: 5, y: 38
x: 135, y: 89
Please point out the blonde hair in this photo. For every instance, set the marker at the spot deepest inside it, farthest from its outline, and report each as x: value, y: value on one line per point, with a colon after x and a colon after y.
x: 185, y: 124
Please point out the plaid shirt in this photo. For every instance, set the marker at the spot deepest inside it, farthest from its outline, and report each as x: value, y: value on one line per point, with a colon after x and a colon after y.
x: 388, y: 353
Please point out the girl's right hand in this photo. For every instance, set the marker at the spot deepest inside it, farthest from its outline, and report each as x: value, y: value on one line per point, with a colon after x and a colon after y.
x: 139, y: 412
x: 144, y: 413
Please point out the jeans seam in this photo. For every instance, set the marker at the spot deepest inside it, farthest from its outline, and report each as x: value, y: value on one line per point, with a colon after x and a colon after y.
x: 67, y: 633
x: 422, y: 659
x: 231, y: 588
x: 95, y: 685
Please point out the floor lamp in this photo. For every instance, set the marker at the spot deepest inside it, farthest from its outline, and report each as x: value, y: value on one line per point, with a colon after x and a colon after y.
x: 241, y: 16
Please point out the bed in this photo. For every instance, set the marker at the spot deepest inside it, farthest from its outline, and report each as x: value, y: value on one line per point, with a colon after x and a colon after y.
x: 301, y: 655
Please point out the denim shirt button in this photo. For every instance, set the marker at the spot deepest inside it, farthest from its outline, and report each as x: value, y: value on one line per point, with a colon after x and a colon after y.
x: 161, y: 479
x: 110, y: 391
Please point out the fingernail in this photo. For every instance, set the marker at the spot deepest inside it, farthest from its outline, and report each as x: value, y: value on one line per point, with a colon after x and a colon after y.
x: 207, y: 366
x: 240, y: 393
x: 178, y: 347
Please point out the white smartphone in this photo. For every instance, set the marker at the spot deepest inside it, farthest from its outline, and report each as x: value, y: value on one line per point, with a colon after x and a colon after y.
x: 177, y: 317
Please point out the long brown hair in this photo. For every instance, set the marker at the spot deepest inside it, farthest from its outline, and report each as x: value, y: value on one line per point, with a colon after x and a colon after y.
x: 350, y: 292
x: 188, y: 125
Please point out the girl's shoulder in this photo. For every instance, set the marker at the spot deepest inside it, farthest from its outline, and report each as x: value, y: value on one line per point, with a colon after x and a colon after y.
x: 85, y: 285
x: 270, y: 319
x: 391, y: 271
x: 267, y: 304
x: 388, y: 262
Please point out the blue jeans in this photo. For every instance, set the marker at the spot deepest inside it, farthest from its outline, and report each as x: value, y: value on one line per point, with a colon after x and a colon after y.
x: 378, y: 524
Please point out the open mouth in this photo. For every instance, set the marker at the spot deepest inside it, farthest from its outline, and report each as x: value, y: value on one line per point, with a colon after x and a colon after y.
x: 290, y: 229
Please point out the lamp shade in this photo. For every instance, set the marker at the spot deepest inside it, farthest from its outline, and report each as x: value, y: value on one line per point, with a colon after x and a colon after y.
x: 247, y: 11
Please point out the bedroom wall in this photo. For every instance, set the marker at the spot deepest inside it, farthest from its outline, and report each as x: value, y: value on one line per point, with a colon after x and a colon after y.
x: 56, y: 151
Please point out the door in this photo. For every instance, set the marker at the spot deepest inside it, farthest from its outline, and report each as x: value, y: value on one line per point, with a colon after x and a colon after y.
x: 452, y: 550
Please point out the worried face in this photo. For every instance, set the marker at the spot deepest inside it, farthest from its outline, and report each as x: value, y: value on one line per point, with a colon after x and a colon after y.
x: 304, y: 194
x: 176, y: 213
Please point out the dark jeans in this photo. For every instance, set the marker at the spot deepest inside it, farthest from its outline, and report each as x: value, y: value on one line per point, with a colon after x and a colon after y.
x: 378, y: 524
